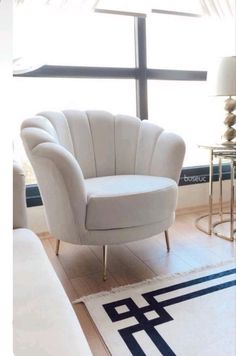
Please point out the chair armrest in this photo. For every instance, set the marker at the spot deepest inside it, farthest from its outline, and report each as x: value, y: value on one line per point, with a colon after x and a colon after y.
x: 168, y: 156
x: 63, y: 190
x: 19, y: 202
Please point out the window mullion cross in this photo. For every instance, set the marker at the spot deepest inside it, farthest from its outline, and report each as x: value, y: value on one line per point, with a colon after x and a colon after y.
x: 141, y: 66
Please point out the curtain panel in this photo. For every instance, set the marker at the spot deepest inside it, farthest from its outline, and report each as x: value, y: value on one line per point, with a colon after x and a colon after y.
x: 220, y: 8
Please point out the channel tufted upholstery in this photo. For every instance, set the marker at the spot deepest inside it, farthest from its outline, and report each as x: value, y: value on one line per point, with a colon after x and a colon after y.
x: 104, y: 179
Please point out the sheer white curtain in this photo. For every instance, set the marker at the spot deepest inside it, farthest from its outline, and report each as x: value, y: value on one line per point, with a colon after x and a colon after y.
x: 220, y: 8
x: 80, y: 4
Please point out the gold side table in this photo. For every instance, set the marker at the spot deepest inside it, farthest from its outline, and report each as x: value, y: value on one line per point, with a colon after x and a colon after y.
x: 228, y: 153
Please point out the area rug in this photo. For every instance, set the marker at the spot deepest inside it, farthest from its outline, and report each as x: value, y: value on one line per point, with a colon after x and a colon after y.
x: 192, y: 314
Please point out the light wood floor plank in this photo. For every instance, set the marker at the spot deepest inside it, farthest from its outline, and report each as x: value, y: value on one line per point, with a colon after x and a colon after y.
x: 125, y: 267
x: 77, y: 260
x: 93, y: 283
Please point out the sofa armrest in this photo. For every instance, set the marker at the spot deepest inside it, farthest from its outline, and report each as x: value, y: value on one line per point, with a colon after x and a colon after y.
x: 44, y: 322
x: 19, y: 202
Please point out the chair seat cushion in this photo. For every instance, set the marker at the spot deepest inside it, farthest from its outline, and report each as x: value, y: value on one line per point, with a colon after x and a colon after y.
x: 123, y: 201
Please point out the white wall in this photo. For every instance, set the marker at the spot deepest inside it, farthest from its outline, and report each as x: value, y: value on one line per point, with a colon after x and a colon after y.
x: 6, y: 176
x: 197, y: 195
x: 190, y: 196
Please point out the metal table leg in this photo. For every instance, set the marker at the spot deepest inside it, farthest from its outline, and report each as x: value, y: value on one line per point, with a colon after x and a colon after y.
x: 231, y: 212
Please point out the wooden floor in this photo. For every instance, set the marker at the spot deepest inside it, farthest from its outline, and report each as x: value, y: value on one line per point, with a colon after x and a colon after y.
x: 80, y: 267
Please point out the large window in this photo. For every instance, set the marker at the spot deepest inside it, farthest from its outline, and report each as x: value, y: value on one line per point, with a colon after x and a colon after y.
x: 36, y: 94
x: 96, y: 40
x: 154, y: 67
x: 33, y: 95
x: 187, y: 43
x: 177, y: 42
x: 57, y: 36
x: 184, y: 107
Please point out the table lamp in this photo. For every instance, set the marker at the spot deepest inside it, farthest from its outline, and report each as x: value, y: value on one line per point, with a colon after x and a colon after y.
x: 222, y: 81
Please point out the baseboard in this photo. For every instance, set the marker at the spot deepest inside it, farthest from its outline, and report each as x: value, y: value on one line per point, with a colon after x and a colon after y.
x: 200, y: 208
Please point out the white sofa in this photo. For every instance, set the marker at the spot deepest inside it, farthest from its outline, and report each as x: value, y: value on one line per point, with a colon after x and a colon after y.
x: 44, y: 321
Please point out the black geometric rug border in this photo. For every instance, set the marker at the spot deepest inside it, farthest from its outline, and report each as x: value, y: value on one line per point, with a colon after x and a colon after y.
x: 144, y: 324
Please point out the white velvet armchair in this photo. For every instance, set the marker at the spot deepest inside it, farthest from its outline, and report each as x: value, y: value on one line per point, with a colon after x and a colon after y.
x: 104, y: 179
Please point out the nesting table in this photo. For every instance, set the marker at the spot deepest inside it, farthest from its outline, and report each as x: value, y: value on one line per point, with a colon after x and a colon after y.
x: 223, y: 153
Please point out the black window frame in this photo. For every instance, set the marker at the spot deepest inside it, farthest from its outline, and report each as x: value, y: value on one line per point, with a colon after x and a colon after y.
x: 141, y: 74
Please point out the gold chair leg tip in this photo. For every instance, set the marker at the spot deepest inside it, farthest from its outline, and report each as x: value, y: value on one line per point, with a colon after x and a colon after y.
x: 57, y: 247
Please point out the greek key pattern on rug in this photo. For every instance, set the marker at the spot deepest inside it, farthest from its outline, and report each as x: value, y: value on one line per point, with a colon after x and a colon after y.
x: 127, y: 308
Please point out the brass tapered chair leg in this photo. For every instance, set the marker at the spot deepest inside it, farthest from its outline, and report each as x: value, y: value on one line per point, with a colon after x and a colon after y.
x: 104, y: 262
x: 167, y: 240
x: 57, y: 247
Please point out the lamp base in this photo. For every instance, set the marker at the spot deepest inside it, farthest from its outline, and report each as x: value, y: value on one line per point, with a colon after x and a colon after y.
x: 230, y: 120
x: 229, y: 143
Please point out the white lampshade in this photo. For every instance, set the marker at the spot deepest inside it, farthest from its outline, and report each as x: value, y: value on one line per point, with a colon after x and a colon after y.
x: 222, y: 77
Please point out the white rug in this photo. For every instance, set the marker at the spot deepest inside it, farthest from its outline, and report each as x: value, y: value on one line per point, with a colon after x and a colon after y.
x: 188, y: 315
